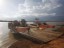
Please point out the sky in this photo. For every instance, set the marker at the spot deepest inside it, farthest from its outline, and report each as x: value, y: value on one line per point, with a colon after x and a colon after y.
x: 17, y: 9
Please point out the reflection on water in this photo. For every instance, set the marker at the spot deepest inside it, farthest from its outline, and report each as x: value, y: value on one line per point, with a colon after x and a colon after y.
x: 56, y: 23
x: 4, y: 27
x: 3, y: 30
x: 5, y: 36
x: 51, y: 23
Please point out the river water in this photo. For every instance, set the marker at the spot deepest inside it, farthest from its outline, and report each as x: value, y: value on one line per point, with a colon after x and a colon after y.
x: 6, y: 39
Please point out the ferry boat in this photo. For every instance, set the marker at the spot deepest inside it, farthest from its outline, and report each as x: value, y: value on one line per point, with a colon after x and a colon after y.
x: 38, y: 33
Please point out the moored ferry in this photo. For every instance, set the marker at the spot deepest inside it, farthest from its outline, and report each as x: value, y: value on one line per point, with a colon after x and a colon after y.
x: 37, y: 32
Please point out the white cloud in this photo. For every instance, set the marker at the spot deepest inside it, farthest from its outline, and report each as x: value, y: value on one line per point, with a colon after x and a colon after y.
x: 43, y: 1
x: 38, y: 10
x: 35, y: 14
x: 31, y: 9
x: 50, y: 6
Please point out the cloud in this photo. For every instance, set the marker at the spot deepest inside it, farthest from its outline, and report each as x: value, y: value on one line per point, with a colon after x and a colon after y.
x: 35, y: 14
x: 32, y: 8
x: 15, y: 9
x: 40, y: 9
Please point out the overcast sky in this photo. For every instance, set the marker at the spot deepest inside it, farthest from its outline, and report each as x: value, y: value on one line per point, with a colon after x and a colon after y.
x: 24, y: 8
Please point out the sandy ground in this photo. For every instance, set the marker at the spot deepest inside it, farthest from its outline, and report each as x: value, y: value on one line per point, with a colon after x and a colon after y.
x: 57, y: 43
x: 6, y: 40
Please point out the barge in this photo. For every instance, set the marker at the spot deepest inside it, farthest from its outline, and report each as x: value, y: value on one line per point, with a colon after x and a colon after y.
x: 33, y: 32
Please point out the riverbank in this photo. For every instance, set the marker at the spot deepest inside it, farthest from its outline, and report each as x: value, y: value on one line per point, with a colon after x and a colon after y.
x: 57, y: 43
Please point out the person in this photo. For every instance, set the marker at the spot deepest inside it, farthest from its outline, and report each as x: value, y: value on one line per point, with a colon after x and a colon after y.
x: 45, y: 23
x: 43, y: 26
x: 16, y: 23
x: 23, y: 23
x: 37, y: 22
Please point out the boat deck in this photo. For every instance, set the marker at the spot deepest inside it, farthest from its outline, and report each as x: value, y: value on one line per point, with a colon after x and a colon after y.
x: 45, y: 35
